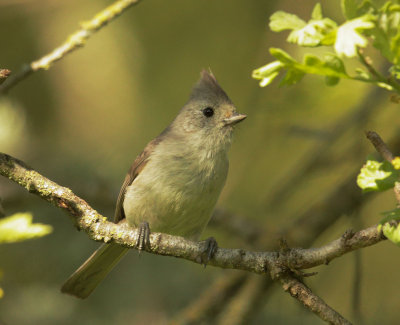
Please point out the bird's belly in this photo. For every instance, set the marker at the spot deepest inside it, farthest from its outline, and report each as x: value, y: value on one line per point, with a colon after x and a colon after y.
x: 179, y: 204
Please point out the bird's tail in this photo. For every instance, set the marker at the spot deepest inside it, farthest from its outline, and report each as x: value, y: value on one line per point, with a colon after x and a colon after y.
x: 85, y: 279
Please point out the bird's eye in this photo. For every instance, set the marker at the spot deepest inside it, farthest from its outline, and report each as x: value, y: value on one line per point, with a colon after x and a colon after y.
x: 208, y: 112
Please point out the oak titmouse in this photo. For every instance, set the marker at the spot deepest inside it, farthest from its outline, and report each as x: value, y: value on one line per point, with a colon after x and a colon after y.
x: 174, y: 184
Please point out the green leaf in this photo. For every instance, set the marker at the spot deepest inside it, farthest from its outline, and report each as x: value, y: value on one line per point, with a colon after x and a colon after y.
x: 334, y: 63
x: 377, y: 176
x: 350, y: 8
x: 390, y: 230
x: 390, y: 215
x: 367, y: 7
x: 330, y: 66
x: 331, y: 81
x: 281, y: 20
x: 267, y: 73
x: 318, y: 31
x: 363, y: 75
x: 267, y: 79
x: 395, y: 48
x: 317, y: 12
x: 315, y: 33
x: 395, y: 71
x: 382, y: 43
x: 291, y: 77
x: 384, y: 85
x: 282, y: 56
x: 386, y: 35
x: 19, y: 227
x: 349, y: 37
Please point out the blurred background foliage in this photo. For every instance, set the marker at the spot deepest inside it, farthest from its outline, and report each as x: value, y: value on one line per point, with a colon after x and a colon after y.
x: 82, y: 122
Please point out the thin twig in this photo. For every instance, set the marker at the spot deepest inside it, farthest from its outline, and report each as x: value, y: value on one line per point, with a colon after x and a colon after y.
x: 348, y: 242
x: 73, y: 42
x: 314, y: 303
x: 367, y: 62
x: 379, y: 145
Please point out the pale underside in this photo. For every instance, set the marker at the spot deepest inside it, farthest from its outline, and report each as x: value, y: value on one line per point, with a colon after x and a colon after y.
x: 179, y: 201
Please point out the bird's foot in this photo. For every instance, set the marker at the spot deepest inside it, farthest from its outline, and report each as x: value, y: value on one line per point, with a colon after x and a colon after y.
x: 144, y: 236
x: 211, y: 247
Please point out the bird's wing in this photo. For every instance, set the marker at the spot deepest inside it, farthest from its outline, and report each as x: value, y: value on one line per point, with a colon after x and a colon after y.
x: 137, y: 166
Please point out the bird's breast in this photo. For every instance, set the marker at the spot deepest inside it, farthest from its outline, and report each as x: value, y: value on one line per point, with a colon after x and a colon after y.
x: 176, y: 193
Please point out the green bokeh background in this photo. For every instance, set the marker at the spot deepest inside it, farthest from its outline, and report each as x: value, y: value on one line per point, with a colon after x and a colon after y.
x: 82, y: 122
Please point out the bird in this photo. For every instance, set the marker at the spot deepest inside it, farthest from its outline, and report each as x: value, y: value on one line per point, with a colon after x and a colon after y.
x: 173, y: 185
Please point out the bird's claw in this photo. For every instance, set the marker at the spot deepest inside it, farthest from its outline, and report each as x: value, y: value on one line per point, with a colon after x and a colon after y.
x: 211, y: 246
x: 144, y: 236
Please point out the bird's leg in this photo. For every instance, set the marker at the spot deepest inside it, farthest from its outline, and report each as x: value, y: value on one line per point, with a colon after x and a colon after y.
x: 211, y: 247
x: 144, y: 236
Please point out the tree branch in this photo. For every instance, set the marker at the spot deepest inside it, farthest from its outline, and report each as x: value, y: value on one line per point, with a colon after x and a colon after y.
x: 367, y: 62
x: 279, y: 265
x: 301, y: 292
x: 299, y: 258
x: 99, y: 229
x: 380, y: 145
x: 73, y: 42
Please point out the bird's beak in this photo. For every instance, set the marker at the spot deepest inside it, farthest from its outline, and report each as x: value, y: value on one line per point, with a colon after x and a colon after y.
x: 234, y: 119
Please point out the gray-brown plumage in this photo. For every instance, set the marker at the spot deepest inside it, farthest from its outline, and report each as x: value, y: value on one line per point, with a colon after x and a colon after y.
x: 135, y: 169
x: 174, y: 184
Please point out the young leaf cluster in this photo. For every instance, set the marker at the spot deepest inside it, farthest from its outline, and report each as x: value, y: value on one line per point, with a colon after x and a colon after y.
x: 381, y: 176
x: 377, y: 176
x: 365, y: 23
x: 390, y: 230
